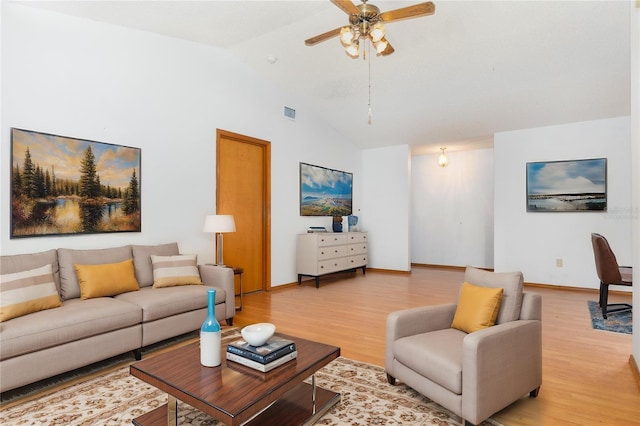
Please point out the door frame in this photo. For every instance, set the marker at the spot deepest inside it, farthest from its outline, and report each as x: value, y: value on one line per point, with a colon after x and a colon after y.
x: 266, y: 193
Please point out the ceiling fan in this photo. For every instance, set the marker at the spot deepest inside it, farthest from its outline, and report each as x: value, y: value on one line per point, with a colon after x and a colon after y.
x: 367, y: 22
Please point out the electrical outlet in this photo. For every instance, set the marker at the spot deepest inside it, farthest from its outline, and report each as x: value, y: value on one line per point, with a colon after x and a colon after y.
x: 559, y: 263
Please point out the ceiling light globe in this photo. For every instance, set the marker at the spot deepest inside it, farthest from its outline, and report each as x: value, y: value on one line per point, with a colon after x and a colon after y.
x: 380, y: 45
x: 346, y: 35
x: 377, y: 32
x: 442, y: 159
x: 353, y: 49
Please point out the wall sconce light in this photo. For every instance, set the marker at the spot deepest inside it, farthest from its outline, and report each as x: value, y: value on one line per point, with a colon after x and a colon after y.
x: 442, y: 158
x: 219, y: 223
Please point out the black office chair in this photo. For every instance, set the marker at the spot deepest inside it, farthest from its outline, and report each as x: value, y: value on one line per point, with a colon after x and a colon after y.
x: 610, y: 274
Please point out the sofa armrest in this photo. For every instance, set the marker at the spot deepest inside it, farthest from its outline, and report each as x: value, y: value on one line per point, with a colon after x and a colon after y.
x: 505, y: 357
x: 531, y: 308
x: 409, y: 322
x: 221, y: 277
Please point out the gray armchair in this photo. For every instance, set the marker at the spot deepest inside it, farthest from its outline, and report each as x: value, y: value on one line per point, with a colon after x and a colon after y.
x: 474, y: 375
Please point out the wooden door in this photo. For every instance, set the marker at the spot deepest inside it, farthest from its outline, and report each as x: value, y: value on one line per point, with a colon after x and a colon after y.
x: 243, y: 189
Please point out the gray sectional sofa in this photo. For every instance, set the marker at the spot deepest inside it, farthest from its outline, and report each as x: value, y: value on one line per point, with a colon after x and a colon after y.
x: 83, y: 331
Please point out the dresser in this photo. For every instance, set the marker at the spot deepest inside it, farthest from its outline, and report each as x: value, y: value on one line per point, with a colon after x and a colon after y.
x: 327, y: 252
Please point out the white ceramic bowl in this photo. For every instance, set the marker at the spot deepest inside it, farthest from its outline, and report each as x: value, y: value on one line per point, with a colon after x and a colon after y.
x: 258, y: 334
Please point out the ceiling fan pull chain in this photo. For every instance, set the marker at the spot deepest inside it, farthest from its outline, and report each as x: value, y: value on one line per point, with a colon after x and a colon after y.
x: 369, y: 114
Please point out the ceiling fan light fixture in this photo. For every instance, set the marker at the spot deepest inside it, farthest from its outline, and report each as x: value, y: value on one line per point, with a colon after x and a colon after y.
x: 346, y: 35
x: 380, y: 45
x: 377, y: 32
x: 353, y: 49
x: 442, y: 158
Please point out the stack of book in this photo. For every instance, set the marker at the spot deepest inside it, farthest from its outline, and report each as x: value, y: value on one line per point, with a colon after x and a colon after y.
x: 313, y: 229
x: 272, y: 354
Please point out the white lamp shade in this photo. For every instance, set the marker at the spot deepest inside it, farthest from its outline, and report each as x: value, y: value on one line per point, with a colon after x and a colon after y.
x: 219, y: 223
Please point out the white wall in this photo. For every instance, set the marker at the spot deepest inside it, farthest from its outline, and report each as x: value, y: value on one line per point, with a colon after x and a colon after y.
x: 531, y: 242
x: 452, y: 209
x: 386, y: 206
x: 79, y: 78
x: 635, y: 160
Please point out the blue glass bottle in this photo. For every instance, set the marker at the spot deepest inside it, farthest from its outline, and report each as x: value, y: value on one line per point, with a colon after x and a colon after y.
x: 210, y: 334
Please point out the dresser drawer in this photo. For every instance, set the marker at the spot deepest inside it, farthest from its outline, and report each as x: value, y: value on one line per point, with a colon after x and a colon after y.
x: 332, y: 265
x: 357, y: 249
x: 331, y: 239
x: 329, y: 252
x: 356, y: 237
x: 357, y: 261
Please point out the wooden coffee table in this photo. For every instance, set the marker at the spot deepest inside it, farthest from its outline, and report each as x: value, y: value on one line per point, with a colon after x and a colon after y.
x: 235, y: 394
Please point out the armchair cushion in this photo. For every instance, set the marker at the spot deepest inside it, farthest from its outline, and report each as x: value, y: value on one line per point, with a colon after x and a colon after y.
x: 442, y: 363
x: 477, y: 308
x: 511, y: 283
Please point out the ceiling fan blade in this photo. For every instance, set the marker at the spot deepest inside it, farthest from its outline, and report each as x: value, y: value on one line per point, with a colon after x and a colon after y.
x: 387, y: 50
x: 322, y: 37
x: 422, y: 9
x: 347, y: 6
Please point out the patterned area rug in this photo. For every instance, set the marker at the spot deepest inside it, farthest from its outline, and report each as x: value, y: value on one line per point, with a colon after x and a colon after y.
x: 115, y: 398
x: 619, y: 322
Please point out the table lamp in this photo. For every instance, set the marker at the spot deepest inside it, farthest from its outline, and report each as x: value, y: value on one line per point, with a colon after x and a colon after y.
x: 218, y: 224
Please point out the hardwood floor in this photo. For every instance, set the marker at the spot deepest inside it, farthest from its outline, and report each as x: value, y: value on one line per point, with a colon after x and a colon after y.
x: 587, y: 379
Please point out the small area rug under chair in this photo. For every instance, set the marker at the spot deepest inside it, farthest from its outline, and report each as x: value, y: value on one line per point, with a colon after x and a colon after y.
x: 619, y: 322
x: 114, y: 397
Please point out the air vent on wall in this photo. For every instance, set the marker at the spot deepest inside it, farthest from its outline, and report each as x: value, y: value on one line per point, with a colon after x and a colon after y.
x: 290, y: 113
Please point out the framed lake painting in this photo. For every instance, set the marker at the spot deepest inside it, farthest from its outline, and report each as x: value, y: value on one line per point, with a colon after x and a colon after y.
x: 567, y: 186
x: 65, y: 186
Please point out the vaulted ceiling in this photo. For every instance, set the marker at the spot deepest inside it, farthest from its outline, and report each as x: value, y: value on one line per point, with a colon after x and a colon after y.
x: 472, y: 69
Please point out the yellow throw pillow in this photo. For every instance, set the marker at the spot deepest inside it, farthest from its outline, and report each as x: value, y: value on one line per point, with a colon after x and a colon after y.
x: 25, y: 292
x: 477, y: 308
x: 169, y: 271
x: 106, y: 279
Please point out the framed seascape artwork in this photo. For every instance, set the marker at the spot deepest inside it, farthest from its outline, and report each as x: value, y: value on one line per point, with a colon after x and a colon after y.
x: 64, y: 186
x: 567, y: 186
x: 325, y: 192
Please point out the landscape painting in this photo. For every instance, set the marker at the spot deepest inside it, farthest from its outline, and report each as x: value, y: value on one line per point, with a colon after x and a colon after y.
x: 325, y: 192
x: 64, y: 186
x: 567, y: 186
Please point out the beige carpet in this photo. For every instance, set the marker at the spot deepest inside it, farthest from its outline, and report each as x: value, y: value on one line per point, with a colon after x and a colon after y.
x: 114, y: 397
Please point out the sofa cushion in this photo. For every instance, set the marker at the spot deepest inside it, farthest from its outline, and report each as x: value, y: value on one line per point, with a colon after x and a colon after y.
x: 142, y: 260
x: 477, y: 308
x: 24, y: 262
x: 106, y: 279
x: 157, y: 303
x: 436, y: 355
x: 25, y: 292
x: 68, y: 258
x: 75, y: 320
x: 169, y: 271
x: 512, y: 284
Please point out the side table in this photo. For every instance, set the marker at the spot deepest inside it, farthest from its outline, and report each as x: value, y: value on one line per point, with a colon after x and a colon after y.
x: 238, y: 271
